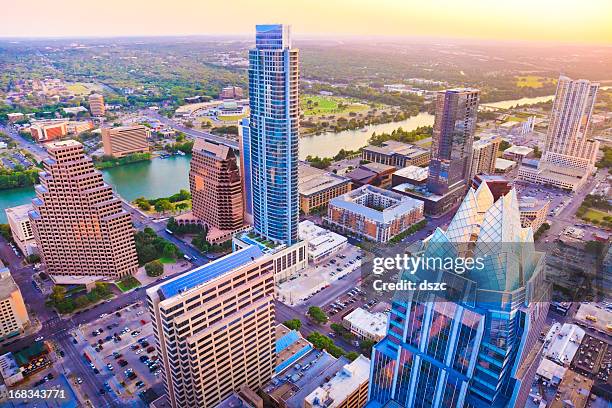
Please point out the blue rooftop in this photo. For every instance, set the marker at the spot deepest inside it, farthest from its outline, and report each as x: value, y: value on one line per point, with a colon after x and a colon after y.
x: 287, y: 340
x: 210, y: 271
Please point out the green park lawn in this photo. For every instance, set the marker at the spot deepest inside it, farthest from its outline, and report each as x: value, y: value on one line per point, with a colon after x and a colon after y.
x: 167, y: 260
x: 594, y: 214
x: 128, y: 283
x: 316, y: 105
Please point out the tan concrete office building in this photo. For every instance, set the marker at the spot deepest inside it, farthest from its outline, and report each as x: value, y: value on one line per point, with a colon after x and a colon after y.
x: 215, y: 329
x: 79, y: 224
x: 123, y: 140
x: 216, y: 186
x: 96, y: 105
x: 13, y: 314
x: 21, y: 228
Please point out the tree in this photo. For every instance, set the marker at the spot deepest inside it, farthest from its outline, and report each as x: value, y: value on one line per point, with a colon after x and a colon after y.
x: 293, y: 324
x: 163, y: 205
x: 317, y: 314
x: 33, y: 258
x: 58, y: 293
x: 81, y: 301
x: 353, y: 355
x: 170, y: 250
x: 366, y: 346
x: 504, y: 145
x: 154, y: 268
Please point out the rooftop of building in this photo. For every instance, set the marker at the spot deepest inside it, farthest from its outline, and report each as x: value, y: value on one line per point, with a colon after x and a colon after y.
x: 503, y: 164
x: 19, y: 213
x: 420, y: 191
x: 415, y: 173
x: 335, y: 391
x: 378, y: 168
x: 399, y: 204
x: 520, y: 150
x: 485, y: 141
x: 320, y: 240
x: 562, y: 342
x: 61, y: 144
x: 209, y: 271
x: 533, y: 163
x: 290, y: 347
x: 234, y: 401
x: 312, y: 180
x: 391, y: 147
x: 219, y: 151
x: 250, y: 237
x: 127, y: 127
x: 8, y: 365
x: 7, y: 283
x: 374, y: 323
x: 531, y: 204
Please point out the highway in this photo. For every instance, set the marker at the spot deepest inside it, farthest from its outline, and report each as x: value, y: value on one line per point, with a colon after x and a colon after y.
x: 192, y: 132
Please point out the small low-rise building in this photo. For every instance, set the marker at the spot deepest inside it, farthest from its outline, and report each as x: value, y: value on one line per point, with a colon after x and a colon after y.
x: 411, y: 174
x: 15, y: 117
x: 367, y: 325
x: 503, y: 166
x: 517, y: 153
x: 75, y: 128
x: 48, y: 130
x: 317, y: 187
x: 347, y: 389
x: 396, y: 154
x: 373, y: 213
x: 322, y: 243
x: 21, y: 228
x: 9, y: 370
x: 375, y: 174
x: 533, y: 212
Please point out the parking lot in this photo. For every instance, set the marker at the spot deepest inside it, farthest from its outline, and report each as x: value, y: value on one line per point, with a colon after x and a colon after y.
x: 558, y: 198
x: 120, y: 346
x: 316, y: 278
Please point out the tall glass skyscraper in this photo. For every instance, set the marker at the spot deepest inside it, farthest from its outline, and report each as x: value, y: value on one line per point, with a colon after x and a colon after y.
x: 273, y: 133
x: 453, y: 135
x: 474, y: 345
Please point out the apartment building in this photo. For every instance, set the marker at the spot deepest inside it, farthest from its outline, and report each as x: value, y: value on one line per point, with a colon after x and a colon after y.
x: 533, y: 212
x: 96, y: 105
x: 13, y: 314
x: 123, y: 140
x: 79, y: 224
x: 216, y: 186
x: 215, y: 329
x: 318, y: 186
x: 231, y: 92
x: 484, y: 153
x: 21, y: 228
x: 373, y: 213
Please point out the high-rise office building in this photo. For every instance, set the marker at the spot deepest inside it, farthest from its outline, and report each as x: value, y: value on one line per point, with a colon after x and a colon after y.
x: 453, y: 135
x: 246, y: 170
x: 96, y: 105
x: 123, y: 140
x: 216, y: 187
x: 273, y: 133
x: 476, y: 344
x: 79, y: 224
x: 13, y: 314
x: 484, y: 153
x: 569, y: 154
x: 215, y: 328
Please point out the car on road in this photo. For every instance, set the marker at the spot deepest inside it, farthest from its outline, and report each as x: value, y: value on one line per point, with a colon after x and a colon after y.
x: 122, y: 363
x: 79, y: 380
x: 39, y: 338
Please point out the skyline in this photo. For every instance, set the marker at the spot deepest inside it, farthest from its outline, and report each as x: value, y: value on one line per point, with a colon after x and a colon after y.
x: 477, y: 19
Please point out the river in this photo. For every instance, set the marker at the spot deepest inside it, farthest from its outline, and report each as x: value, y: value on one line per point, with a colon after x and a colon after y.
x: 164, y: 177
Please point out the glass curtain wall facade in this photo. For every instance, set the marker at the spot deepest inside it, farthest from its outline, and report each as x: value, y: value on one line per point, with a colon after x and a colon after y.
x: 470, y: 345
x: 453, y: 135
x: 273, y: 133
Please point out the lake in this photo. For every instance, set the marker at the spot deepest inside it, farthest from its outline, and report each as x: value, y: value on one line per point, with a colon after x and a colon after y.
x: 164, y: 177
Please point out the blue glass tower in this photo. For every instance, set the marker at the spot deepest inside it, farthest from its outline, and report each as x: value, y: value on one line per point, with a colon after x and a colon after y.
x: 246, y: 167
x: 477, y: 345
x: 273, y: 133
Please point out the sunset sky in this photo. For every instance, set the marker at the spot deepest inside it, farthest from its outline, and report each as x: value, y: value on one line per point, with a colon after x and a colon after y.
x: 537, y: 20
